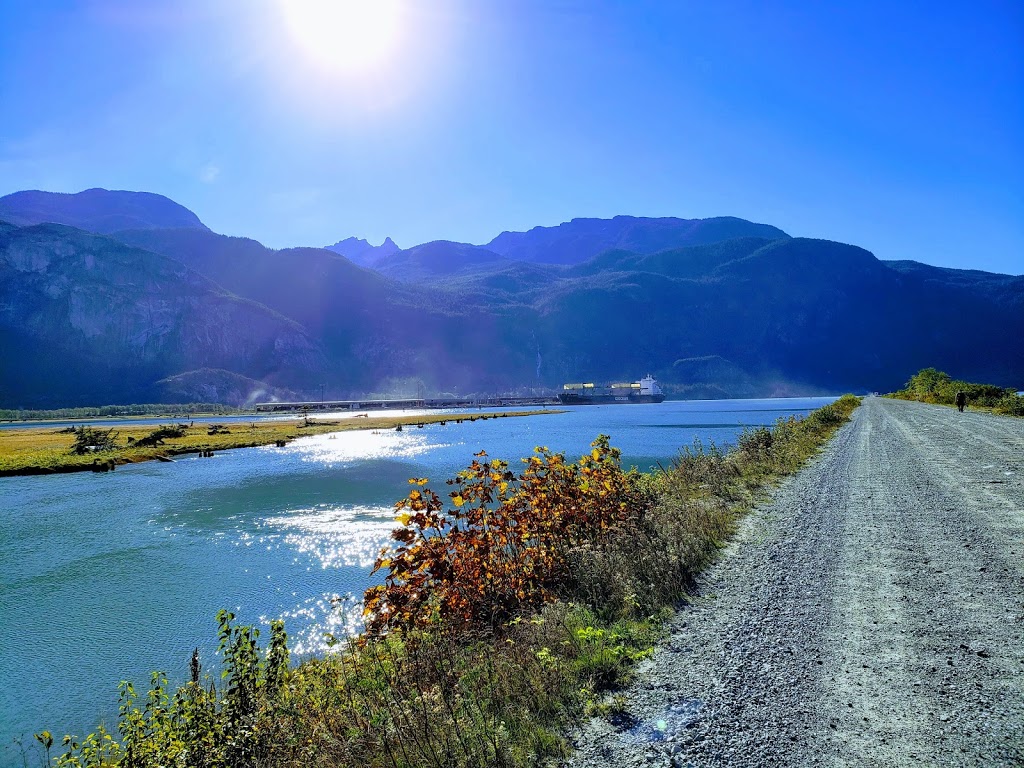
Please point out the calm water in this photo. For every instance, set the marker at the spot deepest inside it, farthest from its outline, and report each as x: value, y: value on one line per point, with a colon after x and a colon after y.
x: 105, y: 577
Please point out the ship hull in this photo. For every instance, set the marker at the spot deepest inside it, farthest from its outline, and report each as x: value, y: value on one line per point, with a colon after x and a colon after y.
x: 571, y: 398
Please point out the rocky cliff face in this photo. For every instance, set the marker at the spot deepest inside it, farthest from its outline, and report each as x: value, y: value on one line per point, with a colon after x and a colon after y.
x: 83, y: 316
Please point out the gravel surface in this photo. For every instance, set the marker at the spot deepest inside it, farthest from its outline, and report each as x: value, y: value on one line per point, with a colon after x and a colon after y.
x: 872, y: 614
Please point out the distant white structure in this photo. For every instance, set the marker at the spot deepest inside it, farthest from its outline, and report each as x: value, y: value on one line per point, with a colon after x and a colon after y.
x: 648, y: 386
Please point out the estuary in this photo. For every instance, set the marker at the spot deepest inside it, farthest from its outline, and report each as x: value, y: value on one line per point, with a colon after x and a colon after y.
x: 107, y: 577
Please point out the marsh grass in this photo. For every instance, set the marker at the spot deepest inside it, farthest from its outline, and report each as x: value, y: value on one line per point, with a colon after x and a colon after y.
x: 491, y: 671
x: 45, y: 450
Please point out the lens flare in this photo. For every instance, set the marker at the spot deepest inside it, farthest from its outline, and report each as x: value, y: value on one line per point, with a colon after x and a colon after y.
x: 347, y: 36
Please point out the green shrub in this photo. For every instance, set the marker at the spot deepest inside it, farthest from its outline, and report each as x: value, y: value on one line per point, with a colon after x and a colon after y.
x: 932, y: 386
x: 198, y: 726
x: 1011, y: 404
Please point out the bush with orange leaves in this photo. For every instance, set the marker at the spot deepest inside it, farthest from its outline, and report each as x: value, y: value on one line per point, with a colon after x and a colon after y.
x: 502, y: 547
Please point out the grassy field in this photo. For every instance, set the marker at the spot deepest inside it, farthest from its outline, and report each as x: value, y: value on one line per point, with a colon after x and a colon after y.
x: 44, y: 450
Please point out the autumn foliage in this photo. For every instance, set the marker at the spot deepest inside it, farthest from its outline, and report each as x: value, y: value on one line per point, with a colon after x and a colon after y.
x: 502, y: 545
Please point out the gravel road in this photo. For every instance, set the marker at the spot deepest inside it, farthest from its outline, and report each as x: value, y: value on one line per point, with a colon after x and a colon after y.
x: 871, y: 614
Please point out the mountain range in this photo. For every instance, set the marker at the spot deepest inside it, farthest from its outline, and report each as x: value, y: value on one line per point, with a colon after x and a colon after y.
x: 360, y: 252
x: 128, y: 297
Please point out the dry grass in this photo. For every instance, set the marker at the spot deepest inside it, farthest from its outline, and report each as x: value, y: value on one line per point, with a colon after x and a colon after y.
x: 44, y: 450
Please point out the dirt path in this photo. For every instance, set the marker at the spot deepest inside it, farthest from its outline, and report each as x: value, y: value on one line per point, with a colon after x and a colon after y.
x: 872, y: 614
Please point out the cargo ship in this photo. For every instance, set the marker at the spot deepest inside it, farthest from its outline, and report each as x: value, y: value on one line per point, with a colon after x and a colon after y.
x: 644, y: 391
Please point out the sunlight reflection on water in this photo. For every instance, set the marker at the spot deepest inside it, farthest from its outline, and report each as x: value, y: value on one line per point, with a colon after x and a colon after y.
x: 320, y: 618
x: 335, y: 537
x: 347, y: 447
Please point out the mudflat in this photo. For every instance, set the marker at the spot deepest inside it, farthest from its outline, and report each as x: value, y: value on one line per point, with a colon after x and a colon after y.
x: 870, y: 614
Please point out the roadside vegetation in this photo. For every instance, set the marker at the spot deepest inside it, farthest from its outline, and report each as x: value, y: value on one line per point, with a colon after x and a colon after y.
x: 513, y: 604
x: 43, y: 450
x: 932, y: 386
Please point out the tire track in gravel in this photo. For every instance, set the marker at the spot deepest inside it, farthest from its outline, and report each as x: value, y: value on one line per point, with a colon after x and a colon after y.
x: 871, y: 614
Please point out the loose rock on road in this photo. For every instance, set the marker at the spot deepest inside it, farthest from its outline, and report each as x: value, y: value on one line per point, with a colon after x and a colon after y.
x: 872, y: 614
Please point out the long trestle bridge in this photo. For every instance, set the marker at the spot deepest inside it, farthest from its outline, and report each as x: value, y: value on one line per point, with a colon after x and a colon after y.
x: 412, y: 403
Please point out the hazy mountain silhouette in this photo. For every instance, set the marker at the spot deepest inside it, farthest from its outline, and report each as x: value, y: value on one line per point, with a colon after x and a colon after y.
x: 376, y: 328
x: 730, y: 309
x: 360, y: 252
x: 438, y: 259
x: 581, y: 239
x: 97, y: 210
x: 85, y: 319
x: 314, y: 286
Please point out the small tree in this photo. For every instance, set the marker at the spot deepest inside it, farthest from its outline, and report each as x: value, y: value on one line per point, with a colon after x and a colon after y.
x: 89, y: 440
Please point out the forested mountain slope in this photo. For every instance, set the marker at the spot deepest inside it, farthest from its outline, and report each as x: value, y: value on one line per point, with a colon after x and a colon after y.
x: 729, y: 309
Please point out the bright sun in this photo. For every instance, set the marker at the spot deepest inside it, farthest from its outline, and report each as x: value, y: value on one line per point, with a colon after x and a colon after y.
x: 348, y: 36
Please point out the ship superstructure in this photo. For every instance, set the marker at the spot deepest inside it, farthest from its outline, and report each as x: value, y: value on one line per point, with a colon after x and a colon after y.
x: 587, y: 393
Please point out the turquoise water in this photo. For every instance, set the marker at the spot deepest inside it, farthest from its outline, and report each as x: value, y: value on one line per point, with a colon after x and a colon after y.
x: 105, y: 577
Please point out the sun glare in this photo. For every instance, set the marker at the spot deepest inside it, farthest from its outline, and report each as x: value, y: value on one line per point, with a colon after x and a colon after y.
x: 347, y: 36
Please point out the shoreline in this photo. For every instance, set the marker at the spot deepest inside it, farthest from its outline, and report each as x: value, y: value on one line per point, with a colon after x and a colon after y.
x: 28, y: 423
x: 42, y: 450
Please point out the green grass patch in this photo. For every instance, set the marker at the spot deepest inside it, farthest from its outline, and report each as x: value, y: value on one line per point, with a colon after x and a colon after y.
x: 46, y: 450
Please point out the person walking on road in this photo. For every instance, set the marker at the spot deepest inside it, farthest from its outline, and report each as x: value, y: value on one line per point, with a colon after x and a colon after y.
x: 961, y: 400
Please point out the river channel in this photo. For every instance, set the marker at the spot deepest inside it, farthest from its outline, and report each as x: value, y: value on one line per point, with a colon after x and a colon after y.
x: 106, y: 577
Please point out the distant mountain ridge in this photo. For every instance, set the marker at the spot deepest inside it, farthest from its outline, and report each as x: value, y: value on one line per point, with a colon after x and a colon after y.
x: 97, y: 210
x: 570, y: 243
x: 360, y: 252
x: 440, y: 258
x: 1006, y: 288
x: 576, y: 241
x: 712, y: 307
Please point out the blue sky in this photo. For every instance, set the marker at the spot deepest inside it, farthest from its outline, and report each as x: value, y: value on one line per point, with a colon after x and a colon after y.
x: 898, y: 127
